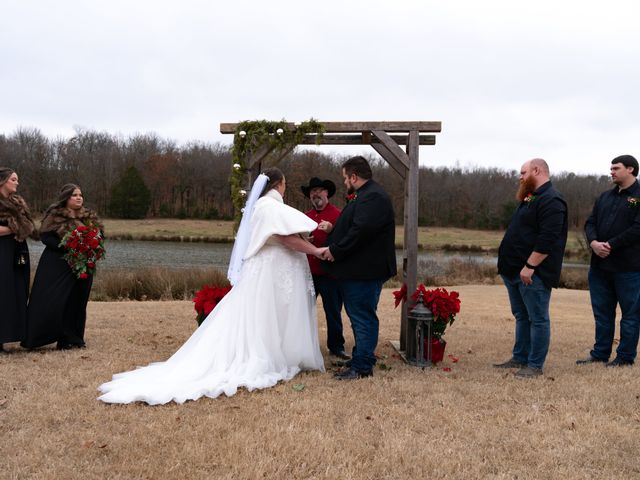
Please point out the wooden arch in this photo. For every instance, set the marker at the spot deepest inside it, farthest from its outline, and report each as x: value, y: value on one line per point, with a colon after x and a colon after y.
x: 386, y: 138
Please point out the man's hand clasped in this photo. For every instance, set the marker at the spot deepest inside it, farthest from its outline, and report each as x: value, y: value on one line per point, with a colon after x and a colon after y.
x: 601, y: 249
x: 325, y: 254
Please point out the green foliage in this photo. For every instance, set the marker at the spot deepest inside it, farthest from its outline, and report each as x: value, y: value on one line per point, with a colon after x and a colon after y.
x: 252, y: 135
x: 130, y: 197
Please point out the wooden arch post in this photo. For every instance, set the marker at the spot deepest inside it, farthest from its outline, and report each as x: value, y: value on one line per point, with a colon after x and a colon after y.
x: 386, y: 138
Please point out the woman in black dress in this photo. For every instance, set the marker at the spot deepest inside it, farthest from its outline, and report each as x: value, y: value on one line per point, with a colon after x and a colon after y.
x: 15, y: 226
x: 58, y: 305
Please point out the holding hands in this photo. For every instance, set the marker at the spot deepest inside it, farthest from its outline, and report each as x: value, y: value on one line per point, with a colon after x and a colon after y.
x: 325, y: 254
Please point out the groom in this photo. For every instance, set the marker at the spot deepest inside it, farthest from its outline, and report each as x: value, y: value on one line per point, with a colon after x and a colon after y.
x: 361, y: 255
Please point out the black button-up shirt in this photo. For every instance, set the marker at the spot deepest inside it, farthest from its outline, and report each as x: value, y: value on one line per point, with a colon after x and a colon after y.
x: 616, y: 219
x: 539, y: 225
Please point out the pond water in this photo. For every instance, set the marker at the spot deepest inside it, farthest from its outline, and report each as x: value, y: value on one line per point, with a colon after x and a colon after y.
x: 138, y: 254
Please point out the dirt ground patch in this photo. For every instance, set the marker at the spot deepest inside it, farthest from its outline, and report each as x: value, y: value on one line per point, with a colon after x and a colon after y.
x: 461, y: 419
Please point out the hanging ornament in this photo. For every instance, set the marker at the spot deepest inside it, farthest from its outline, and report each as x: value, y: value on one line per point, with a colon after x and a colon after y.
x: 279, y: 131
x: 237, y: 166
x: 242, y: 134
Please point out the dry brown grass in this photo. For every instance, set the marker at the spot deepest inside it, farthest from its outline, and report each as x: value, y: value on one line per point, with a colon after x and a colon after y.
x: 169, y: 229
x: 154, y: 283
x: 470, y: 422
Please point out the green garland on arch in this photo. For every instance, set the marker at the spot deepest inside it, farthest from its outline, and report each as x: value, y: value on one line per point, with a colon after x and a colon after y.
x: 257, y: 134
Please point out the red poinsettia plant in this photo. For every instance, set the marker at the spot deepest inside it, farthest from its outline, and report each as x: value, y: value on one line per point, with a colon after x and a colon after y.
x: 443, y: 304
x: 206, y: 300
x: 85, y: 246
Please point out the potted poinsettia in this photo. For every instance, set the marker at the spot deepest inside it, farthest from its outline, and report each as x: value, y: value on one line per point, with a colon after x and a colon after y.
x: 444, y: 306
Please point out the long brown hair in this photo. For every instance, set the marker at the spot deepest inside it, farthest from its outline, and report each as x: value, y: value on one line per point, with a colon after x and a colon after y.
x: 275, y: 178
x: 5, y: 174
x: 63, y: 196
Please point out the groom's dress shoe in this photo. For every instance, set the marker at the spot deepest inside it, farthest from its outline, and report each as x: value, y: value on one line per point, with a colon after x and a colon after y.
x: 341, y: 354
x: 352, y: 374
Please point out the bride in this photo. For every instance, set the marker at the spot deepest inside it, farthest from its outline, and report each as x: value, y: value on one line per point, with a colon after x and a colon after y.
x: 263, y: 331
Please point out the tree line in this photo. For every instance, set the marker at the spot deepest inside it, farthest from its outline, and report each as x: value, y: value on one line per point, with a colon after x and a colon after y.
x: 147, y: 176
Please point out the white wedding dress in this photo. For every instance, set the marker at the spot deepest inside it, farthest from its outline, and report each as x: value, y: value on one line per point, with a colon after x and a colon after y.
x: 263, y: 331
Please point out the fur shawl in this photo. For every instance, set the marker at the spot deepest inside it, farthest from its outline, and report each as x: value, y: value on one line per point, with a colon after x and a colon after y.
x: 60, y: 220
x: 14, y: 212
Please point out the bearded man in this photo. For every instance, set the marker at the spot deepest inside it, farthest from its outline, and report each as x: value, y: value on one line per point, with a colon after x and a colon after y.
x: 361, y: 254
x: 325, y: 214
x: 530, y: 261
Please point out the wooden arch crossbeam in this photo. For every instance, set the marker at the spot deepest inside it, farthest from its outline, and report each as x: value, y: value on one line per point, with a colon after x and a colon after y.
x: 388, y: 139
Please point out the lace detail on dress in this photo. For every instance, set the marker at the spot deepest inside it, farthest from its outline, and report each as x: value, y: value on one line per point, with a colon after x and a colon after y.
x: 271, y: 254
x: 310, y: 288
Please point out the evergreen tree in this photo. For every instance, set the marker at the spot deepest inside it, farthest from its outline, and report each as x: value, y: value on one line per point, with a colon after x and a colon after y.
x: 130, y: 197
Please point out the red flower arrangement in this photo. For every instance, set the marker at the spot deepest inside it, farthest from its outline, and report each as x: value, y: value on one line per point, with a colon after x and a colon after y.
x: 85, y: 246
x: 443, y: 304
x: 351, y: 197
x: 206, y: 300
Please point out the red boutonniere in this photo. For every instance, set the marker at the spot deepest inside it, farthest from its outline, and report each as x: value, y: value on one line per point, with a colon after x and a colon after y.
x: 633, y: 201
x: 529, y: 199
x: 351, y: 197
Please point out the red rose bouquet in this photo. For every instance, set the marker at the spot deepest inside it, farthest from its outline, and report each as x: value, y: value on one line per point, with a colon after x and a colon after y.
x: 85, y: 246
x: 206, y: 300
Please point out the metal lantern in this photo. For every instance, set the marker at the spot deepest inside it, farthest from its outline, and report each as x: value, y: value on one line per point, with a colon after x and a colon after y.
x: 421, y: 318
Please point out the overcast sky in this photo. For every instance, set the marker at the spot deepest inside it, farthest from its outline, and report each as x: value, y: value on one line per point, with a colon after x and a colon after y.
x: 509, y: 80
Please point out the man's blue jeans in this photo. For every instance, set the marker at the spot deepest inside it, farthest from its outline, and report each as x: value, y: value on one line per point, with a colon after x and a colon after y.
x: 608, y: 289
x: 360, y: 299
x: 530, y: 307
x: 329, y: 291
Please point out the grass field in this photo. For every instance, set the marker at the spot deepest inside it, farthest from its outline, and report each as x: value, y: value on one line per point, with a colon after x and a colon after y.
x: 460, y: 420
x: 434, y: 238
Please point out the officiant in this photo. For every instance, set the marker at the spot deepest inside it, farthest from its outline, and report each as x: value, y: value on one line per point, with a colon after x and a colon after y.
x: 325, y: 214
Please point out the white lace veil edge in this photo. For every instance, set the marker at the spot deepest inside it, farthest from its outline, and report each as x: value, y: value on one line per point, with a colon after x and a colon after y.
x: 244, y: 231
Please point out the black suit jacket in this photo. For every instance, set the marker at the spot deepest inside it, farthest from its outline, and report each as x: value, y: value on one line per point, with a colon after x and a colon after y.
x: 363, y: 239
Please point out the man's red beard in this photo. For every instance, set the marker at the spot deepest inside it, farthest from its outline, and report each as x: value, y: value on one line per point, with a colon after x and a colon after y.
x: 526, y: 187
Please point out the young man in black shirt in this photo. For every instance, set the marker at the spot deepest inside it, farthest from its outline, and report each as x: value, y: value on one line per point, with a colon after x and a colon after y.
x: 613, y: 233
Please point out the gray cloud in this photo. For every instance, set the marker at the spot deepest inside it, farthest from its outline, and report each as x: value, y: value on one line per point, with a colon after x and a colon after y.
x: 509, y: 80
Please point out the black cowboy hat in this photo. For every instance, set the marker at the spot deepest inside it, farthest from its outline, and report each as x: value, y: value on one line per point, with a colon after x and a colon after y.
x: 315, y: 182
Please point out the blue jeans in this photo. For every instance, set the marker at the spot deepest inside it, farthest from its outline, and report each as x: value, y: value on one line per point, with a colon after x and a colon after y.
x: 329, y: 291
x: 360, y: 299
x: 607, y: 289
x: 530, y: 307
